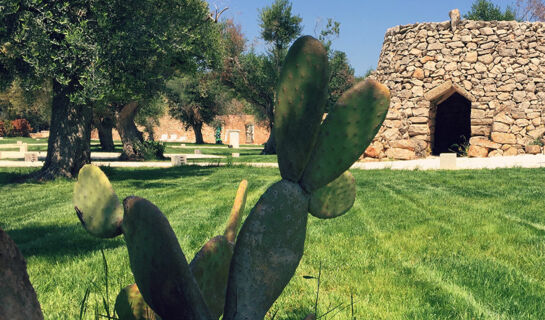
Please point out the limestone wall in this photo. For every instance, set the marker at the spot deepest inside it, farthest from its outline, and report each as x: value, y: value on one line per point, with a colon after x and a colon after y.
x: 498, y: 66
x: 170, y: 126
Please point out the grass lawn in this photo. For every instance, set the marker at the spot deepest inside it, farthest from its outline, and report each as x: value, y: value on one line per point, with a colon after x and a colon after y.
x: 416, y: 245
x: 246, y: 155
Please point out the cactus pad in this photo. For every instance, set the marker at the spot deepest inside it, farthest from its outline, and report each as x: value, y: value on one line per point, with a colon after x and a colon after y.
x: 236, y: 212
x: 130, y: 305
x: 267, y: 252
x: 346, y: 132
x: 210, y: 267
x: 301, y: 101
x: 335, y: 198
x: 158, y: 263
x: 96, y: 203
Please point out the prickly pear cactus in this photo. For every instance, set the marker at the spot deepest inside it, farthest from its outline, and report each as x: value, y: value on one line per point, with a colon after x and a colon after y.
x: 312, y: 157
x: 96, y: 203
x: 242, y: 276
x: 130, y: 305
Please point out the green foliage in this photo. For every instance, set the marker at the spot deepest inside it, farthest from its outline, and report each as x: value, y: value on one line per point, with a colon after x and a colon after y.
x: 33, y: 105
x: 487, y: 11
x: 254, y: 79
x: 341, y: 78
x: 151, y: 150
x: 330, y: 31
x: 278, y: 26
x: 538, y: 142
x: 194, y: 99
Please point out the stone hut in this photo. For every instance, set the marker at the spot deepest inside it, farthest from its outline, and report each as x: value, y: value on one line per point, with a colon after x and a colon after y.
x: 475, y: 87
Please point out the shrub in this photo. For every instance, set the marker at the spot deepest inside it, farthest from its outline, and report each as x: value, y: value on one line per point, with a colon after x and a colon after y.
x: 3, y: 131
x: 20, y: 128
x: 152, y: 150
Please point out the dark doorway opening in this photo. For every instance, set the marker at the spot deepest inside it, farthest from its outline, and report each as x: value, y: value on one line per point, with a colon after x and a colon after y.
x: 452, y: 125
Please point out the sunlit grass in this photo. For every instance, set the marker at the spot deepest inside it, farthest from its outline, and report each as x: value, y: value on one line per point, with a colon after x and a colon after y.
x: 416, y: 245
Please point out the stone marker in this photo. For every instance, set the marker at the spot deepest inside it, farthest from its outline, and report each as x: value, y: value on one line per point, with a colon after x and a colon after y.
x: 183, y: 145
x: 533, y: 149
x: 447, y: 161
x: 31, y: 156
x: 235, y: 155
x: 234, y: 137
x: 23, y: 148
x: 19, y: 142
x: 198, y: 151
x: 178, y: 160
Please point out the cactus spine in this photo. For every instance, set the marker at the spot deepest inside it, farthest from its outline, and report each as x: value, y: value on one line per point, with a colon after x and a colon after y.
x: 313, y: 158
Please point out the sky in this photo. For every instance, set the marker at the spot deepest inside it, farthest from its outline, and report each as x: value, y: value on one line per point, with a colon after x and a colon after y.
x: 363, y: 22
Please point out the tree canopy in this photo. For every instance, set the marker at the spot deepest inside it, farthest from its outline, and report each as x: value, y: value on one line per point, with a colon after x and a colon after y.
x: 487, y: 11
x: 99, y: 52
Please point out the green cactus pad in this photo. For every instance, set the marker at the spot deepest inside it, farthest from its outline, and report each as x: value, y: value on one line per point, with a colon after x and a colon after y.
x: 346, y: 132
x: 96, y: 203
x: 158, y: 263
x: 130, y: 305
x: 335, y: 198
x: 236, y: 212
x: 300, y: 107
x: 267, y: 252
x: 210, y: 267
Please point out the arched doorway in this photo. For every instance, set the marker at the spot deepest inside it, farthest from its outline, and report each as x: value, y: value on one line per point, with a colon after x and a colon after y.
x: 452, y: 125
x: 450, y: 118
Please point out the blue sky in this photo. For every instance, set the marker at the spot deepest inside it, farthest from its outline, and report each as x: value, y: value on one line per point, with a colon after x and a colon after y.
x: 363, y: 22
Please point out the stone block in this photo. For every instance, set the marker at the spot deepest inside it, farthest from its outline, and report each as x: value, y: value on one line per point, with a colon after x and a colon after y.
x: 419, y: 119
x: 471, y: 57
x: 477, y: 114
x: 480, y: 130
x: 178, y: 160
x: 235, y: 155
x: 391, y: 134
x: 504, y: 138
x: 495, y: 153
x: 512, y: 151
x: 503, y: 118
x: 400, y: 154
x: 477, y: 152
x: 374, y: 150
x: 31, y: 156
x: 418, y: 74
x: 483, y: 142
x: 500, y: 127
x: 447, y: 161
x: 418, y: 129
x: 404, y: 144
x: 537, y: 133
x: 533, y: 149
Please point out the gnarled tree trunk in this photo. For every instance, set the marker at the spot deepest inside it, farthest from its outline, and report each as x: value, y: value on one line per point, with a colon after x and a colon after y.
x: 197, y: 128
x: 69, y: 136
x: 17, y: 296
x: 270, y: 145
x: 130, y: 136
x: 105, y: 125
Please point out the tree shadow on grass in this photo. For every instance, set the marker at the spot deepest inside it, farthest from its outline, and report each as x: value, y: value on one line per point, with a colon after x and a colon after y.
x: 116, y: 174
x: 16, y: 175
x: 59, y: 242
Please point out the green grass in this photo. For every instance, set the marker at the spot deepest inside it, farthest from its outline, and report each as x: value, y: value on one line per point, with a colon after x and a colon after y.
x: 246, y: 155
x: 416, y: 245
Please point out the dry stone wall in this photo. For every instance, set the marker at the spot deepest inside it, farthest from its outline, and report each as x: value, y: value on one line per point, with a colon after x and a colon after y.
x: 497, y: 65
